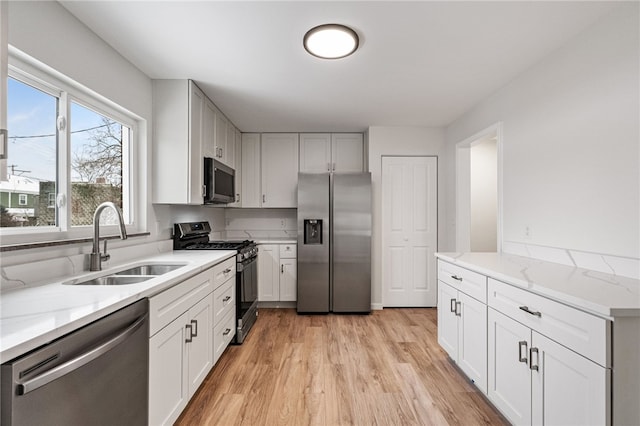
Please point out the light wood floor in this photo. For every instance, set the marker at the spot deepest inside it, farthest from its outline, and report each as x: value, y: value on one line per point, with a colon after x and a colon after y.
x: 385, y: 368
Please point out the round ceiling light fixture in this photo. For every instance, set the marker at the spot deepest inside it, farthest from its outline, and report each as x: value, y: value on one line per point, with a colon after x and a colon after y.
x: 331, y: 41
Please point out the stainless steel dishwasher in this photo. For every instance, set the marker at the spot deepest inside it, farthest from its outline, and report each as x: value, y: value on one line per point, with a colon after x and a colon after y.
x: 96, y: 375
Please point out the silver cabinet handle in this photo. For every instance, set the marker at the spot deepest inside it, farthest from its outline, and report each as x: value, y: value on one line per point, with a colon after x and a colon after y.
x: 237, y: 197
x: 195, y: 328
x: 226, y: 331
x: 328, y: 167
x: 226, y: 299
x: 204, y: 190
x: 78, y: 361
x: 531, y: 352
x: 226, y: 271
x: 455, y: 277
x: 458, y: 312
x: 527, y: 310
x: 520, y: 357
x: 264, y: 198
x: 282, y: 269
x: 452, y: 306
x: 189, y: 338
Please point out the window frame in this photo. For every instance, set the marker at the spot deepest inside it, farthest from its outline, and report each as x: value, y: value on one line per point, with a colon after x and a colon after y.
x: 32, y: 72
x: 23, y: 199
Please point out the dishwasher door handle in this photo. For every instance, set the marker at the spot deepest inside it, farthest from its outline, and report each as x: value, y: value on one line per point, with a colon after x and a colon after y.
x: 79, y: 361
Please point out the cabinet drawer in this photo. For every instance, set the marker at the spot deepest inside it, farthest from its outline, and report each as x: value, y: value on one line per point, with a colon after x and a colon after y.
x: 288, y: 251
x: 170, y: 304
x: 579, y: 331
x: 223, y: 334
x: 224, y: 300
x: 223, y: 271
x: 469, y: 282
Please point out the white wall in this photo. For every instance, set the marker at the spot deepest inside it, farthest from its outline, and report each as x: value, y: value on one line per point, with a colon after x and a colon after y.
x: 402, y: 141
x: 261, y: 223
x: 570, y: 145
x: 483, y: 196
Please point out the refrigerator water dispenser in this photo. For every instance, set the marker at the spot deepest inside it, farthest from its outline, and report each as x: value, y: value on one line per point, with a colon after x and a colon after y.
x: 313, y: 231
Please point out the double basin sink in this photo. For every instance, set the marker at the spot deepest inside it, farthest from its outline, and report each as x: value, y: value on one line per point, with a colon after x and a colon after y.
x: 132, y: 275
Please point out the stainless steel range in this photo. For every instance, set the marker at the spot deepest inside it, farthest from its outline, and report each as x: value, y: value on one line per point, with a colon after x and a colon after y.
x: 195, y: 236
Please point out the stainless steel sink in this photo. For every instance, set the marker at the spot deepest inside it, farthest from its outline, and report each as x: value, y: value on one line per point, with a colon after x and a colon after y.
x: 151, y: 269
x: 135, y: 275
x: 114, y: 280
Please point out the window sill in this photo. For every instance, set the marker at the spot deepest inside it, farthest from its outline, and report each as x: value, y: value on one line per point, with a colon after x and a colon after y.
x: 25, y: 246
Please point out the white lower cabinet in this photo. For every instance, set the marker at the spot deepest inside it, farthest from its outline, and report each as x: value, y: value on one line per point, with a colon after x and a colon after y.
x: 180, y: 357
x: 277, y: 273
x: 535, y: 380
x: 183, y: 344
x: 462, y: 332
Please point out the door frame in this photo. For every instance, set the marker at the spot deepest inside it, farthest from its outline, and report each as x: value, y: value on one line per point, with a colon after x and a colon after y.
x: 462, y: 183
x: 383, y: 233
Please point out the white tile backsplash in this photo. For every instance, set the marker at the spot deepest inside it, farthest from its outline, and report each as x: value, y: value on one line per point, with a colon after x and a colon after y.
x: 622, y: 266
x: 260, y: 223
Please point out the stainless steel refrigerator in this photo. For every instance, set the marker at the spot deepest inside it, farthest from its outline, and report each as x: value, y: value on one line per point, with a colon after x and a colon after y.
x: 334, y: 242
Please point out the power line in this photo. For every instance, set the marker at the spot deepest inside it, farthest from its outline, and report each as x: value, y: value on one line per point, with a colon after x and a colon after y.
x: 54, y: 134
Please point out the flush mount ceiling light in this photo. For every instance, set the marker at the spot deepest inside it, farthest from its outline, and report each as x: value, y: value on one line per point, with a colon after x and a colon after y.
x: 331, y: 41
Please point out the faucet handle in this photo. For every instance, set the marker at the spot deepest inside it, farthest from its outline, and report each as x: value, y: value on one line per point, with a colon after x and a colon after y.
x: 105, y: 255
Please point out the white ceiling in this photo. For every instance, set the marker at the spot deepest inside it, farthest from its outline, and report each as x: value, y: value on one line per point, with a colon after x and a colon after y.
x: 419, y: 64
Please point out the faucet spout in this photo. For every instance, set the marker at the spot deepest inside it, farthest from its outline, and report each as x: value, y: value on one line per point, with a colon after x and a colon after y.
x: 97, y: 257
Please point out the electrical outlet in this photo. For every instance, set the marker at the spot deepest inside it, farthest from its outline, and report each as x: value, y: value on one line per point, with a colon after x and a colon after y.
x: 282, y: 223
x: 527, y: 232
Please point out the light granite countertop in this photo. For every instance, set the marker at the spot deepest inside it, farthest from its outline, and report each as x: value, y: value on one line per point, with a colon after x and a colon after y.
x: 599, y: 293
x: 41, y: 312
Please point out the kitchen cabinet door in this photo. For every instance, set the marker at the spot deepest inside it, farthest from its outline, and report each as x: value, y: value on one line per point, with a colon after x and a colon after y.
x: 315, y: 152
x: 347, y: 151
x: 279, y: 170
x: 221, y: 136
x: 509, y: 373
x: 288, y: 280
x: 208, y: 129
x: 168, y: 376
x: 178, y: 107
x: 567, y: 389
x: 229, y: 155
x: 268, y: 273
x: 251, y: 190
x: 200, y: 345
x: 447, y: 319
x: 472, y: 340
x: 237, y: 165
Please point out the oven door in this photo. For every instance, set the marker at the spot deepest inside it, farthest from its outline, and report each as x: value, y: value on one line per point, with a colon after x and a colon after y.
x: 247, y: 288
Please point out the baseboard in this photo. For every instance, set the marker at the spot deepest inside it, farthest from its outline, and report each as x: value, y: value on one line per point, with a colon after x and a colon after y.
x: 376, y: 306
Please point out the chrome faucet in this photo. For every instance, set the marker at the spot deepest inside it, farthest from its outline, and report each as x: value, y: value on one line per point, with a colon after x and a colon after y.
x: 97, y: 257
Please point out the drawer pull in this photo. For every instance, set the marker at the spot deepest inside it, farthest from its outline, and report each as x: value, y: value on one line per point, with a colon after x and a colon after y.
x: 452, y: 306
x: 190, y: 338
x: 226, y: 271
x: 226, y: 331
x: 458, y: 312
x: 520, y: 357
x: 527, y: 310
x: 455, y: 277
x: 226, y: 299
x: 531, y: 352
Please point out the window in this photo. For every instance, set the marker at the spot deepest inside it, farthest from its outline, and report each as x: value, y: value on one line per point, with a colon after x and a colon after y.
x: 69, y: 150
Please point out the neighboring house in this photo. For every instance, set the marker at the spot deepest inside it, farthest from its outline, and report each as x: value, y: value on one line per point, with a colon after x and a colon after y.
x: 32, y: 202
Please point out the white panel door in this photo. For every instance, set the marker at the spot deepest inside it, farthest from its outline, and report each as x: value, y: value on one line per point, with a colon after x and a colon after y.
x: 200, y: 347
x: 409, y: 221
x: 567, y: 388
x: 508, y: 369
x: 315, y: 152
x: 288, y: 281
x: 269, y: 273
x: 347, y: 152
x: 279, y: 167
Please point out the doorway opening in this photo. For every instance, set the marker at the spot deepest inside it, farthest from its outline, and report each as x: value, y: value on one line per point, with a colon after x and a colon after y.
x: 479, y: 191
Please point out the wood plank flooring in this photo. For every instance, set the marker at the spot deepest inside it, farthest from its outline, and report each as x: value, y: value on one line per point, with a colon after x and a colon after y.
x: 385, y: 368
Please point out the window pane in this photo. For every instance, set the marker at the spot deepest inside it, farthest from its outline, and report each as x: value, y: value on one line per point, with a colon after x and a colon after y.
x: 32, y: 157
x: 96, y: 164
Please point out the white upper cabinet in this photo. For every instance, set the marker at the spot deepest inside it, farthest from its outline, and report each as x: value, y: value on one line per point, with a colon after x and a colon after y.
x: 315, y: 152
x: 237, y: 165
x: 279, y: 167
x: 228, y: 155
x: 251, y: 192
x: 209, y: 130
x: 178, y: 107
x: 326, y: 152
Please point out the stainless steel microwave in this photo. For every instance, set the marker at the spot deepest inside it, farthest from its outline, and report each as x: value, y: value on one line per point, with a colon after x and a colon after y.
x: 219, y: 182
